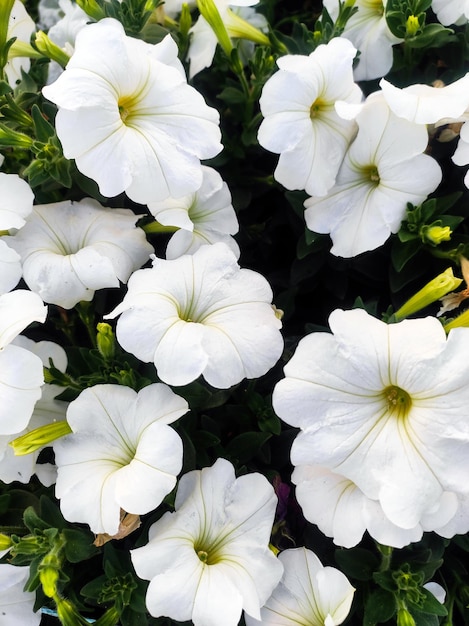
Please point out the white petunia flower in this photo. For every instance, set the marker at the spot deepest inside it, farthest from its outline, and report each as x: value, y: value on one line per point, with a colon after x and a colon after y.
x: 47, y: 410
x: 368, y: 31
x: 64, y: 32
x: 342, y: 511
x: 451, y: 11
x: 21, y: 372
x: 200, y: 314
x: 461, y: 154
x: 122, y: 453
x: 203, y: 217
x: 423, y: 104
x: 16, y: 201
x: 21, y: 26
x: 308, y: 593
x: 385, y: 406
x: 128, y: 117
x: 10, y: 268
x: 16, y: 605
x: 384, y: 169
x: 71, y: 249
x: 210, y: 559
x: 300, y: 122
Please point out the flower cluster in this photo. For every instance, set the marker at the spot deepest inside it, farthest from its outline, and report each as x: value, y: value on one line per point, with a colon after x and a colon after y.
x: 233, y: 318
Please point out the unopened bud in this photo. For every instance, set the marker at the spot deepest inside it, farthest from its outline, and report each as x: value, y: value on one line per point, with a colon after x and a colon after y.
x: 412, y: 25
x: 433, y: 291
x: 435, y: 234
x: 105, y: 341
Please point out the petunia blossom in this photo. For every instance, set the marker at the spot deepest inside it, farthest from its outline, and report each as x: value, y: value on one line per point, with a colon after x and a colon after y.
x: 308, y: 593
x: 16, y: 605
x: 383, y: 405
x: 128, y: 117
x: 71, y: 249
x: 210, y: 559
x: 122, y: 453
x: 300, y: 122
x: 47, y: 410
x: 423, y: 104
x: 367, y: 29
x: 203, y: 217
x: 21, y: 371
x: 10, y: 268
x: 451, y: 11
x: 16, y: 201
x: 383, y: 170
x: 342, y: 511
x: 200, y: 314
x: 21, y: 26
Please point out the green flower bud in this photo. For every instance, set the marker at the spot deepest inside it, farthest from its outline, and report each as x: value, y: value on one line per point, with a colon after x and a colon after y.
x: 39, y: 437
x: 105, y: 341
x: 239, y: 28
x: 404, y: 618
x: 51, y: 50
x: 433, y: 291
x: 412, y: 26
x: 209, y: 11
x: 435, y: 234
x: 5, y: 542
x: 67, y: 613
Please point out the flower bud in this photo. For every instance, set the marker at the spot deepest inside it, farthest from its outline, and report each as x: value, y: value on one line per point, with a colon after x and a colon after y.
x: 404, y: 618
x: 209, y: 11
x: 412, y: 26
x: 49, y: 49
x: 5, y: 542
x: 105, y: 341
x: 39, y: 437
x: 241, y: 29
x: 435, y: 234
x: 434, y: 290
x: 67, y: 613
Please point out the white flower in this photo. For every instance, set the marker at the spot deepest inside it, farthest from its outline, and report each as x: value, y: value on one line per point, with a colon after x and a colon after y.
x: 21, y: 26
x: 198, y: 315
x: 342, y: 511
x: 46, y: 411
x: 368, y: 31
x: 203, y: 217
x: 300, y: 122
x: 383, y: 170
x: 10, y: 268
x: 70, y: 249
x: 16, y: 605
x: 122, y: 453
x: 203, y: 39
x: 128, y: 117
x: 461, y: 154
x: 64, y: 32
x: 21, y: 374
x: 385, y: 406
x: 451, y: 11
x: 423, y: 104
x: 308, y: 593
x: 210, y: 559
x: 16, y: 201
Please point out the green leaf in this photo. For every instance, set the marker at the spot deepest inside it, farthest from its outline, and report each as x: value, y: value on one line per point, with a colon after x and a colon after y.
x: 357, y: 563
x: 245, y: 446
x: 79, y: 545
x: 380, y: 606
x: 430, y: 604
x: 43, y: 129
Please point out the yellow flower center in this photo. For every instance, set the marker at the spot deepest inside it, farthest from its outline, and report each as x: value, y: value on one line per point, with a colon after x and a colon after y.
x: 128, y: 106
x: 371, y: 173
x: 316, y: 108
x: 398, y: 400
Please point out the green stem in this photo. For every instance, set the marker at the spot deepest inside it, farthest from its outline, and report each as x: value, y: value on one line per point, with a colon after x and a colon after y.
x: 386, y: 556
